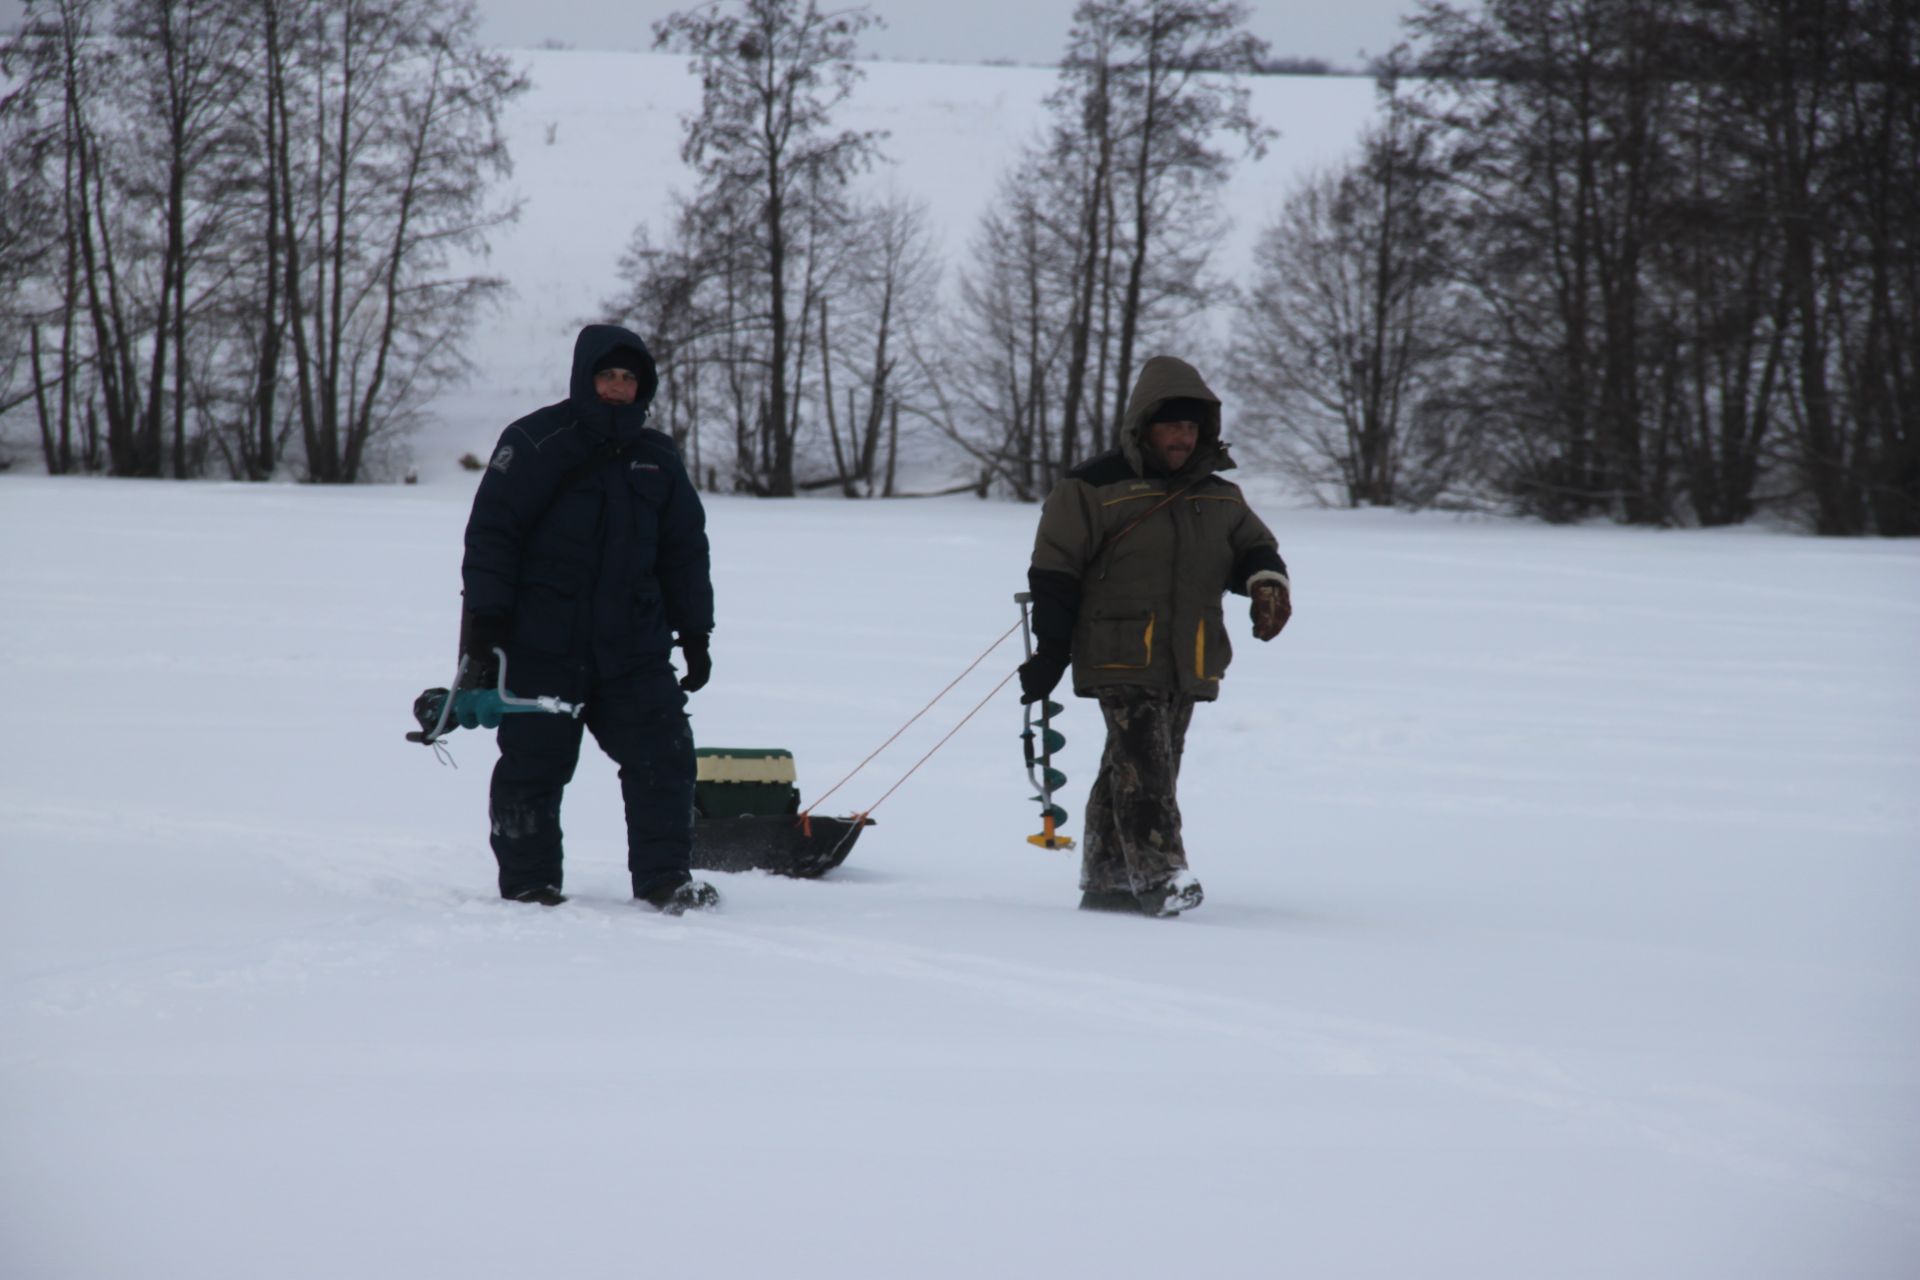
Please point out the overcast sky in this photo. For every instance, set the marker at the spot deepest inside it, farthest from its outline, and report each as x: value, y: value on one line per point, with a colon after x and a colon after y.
x: 1030, y: 31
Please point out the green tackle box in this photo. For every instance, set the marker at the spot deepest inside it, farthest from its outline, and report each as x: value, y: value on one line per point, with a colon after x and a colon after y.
x: 737, y: 782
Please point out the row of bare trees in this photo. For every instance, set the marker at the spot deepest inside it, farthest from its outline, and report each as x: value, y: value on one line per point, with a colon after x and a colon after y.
x: 790, y: 315
x: 806, y: 330
x: 228, y: 227
x: 1096, y: 252
x: 1647, y: 261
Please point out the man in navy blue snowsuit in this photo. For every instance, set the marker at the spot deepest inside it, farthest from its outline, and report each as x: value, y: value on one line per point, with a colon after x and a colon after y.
x: 586, y: 562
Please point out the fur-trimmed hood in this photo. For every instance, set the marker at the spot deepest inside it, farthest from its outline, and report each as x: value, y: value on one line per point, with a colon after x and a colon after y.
x: 1164, y: 378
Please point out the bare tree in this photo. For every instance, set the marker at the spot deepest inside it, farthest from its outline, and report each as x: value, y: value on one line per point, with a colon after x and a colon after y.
x: 181, y: 75
x: 244, y: 186
x: 1100, y: 243
x: 1719, y: 310
x: 773, y: 175
x: 392, y: 120
x: 58, y: 122
x: 666, y: 300
x: 1687, y: 226
x: 1557, y: 111
x: 890, y: 296
x: 31, y: 308
x: 1838, y: 103
x: 1343, y: 340
x: 1083, y: 152
x: 1172, y: 94
x: 256, y: 439
x: 1879, y: 167
x: 1002, y: 376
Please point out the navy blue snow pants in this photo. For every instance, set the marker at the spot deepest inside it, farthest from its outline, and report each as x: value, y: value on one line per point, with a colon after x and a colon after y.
x: 640, y: 720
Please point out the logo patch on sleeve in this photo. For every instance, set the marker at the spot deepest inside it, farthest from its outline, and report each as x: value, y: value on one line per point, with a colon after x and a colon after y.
x: 503, y: 459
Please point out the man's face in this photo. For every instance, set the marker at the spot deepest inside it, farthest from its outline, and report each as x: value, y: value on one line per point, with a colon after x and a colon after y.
x: 616, y: 386
x: 1173, y: 442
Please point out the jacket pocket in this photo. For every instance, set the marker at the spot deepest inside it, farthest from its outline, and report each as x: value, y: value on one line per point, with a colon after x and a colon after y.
x: 648, y: 622
x: 1120, y: 640
x: 1212, y: 649
x: 543, y: 618
x: 648, y: 483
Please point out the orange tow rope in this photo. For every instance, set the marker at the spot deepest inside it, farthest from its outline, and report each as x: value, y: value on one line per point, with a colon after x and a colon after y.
x: 806, y: 814
x: 943, y: 742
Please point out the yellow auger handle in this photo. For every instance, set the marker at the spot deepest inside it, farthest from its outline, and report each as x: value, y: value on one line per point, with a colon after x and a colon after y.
x: 1047, y: 839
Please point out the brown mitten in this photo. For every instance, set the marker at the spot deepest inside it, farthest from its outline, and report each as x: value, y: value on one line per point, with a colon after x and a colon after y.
x: 1272, y: 606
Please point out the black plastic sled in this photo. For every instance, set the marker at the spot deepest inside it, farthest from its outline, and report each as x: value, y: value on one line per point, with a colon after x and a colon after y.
x: 746, y: 808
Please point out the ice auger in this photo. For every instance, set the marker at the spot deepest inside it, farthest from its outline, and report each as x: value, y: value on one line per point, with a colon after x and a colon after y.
x: 440, y: 713
x: 1040, y: 770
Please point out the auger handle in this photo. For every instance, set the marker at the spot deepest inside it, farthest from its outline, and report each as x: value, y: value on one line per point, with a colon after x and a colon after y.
x: 1024, y: 599
x: 509, y: 703
x: 545, y: 702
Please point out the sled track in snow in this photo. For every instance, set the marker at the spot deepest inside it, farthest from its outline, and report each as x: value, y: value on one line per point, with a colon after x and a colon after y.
x: 1314, y: 1044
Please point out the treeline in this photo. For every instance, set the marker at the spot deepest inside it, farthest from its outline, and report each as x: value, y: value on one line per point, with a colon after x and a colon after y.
x: 1617, y: 259
x: 1649, y: 262
x: 789, y: 311
x: 1653, y: 262
x: 230, y: 229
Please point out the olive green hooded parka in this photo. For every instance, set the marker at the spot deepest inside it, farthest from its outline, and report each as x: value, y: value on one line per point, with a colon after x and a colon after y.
x: 1131, y: 582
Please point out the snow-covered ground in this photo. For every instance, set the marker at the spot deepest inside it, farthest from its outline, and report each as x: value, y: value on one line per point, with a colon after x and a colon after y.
x: 1564, y: 884
x: 1563, y: 920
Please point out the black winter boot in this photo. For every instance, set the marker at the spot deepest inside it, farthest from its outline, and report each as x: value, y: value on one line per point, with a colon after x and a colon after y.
x: 678, y: 895
x: 1120, y: 900
x: 546, y: 895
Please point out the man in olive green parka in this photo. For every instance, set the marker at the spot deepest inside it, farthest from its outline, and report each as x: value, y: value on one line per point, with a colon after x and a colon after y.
x: 1135, y: 551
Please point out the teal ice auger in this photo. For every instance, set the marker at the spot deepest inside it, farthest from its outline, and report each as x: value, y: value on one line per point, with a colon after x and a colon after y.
x: 440, y: 712
x: 1040, y: 770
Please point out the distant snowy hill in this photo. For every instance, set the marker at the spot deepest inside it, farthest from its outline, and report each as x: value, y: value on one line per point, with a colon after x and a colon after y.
x: 596, y: 147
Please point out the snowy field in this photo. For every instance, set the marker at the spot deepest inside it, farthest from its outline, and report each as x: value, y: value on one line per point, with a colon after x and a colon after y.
x: 1563, y: 907
x: 1563, y: 892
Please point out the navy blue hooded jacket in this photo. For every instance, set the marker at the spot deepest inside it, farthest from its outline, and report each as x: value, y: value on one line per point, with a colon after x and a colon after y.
x: 586, y: 532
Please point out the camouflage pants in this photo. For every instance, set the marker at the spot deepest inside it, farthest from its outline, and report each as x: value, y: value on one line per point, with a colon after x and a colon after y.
x: 1132, y: 833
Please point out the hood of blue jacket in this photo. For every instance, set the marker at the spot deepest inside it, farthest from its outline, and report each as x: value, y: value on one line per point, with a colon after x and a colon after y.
x: 595, y: 341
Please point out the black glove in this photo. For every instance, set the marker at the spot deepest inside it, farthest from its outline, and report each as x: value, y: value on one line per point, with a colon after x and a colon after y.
x: 699, y: 662
x: 1040, y: 673
x: 480, y: 635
